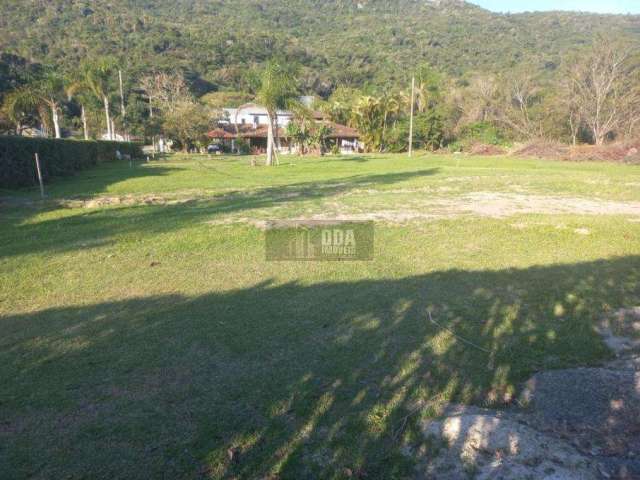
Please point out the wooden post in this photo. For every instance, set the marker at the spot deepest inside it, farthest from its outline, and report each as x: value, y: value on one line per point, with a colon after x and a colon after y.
x: 413, y: 88
x: 39, y: 176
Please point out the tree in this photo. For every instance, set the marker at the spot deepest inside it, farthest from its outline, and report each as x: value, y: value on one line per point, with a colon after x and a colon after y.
x: 164, y: 93
x: 19, y: 106
x: 165, y: 90
x: 339, y: 107
x: 392, y: 108
x: 188, y: 124
x: 299, y: 130
x: 600, y: 83
x: 307, y: 133
x: 44, y: 96
x: 49, y: 89
x: 320, y: 136
x: 368, y: 117
x: 78, y: 88
x: 428, y: 88
x: 514, y: 105
x: 476, y: 102
x: 225, y: 99
x: 569, y: 103
x: 98, y: 76
x: 278, y: 91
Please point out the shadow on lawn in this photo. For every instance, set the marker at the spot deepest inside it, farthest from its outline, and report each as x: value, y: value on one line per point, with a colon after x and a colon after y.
x: 87, y: 183
x: 349, y: 158
x: 100, y: 226
x: 285, y: 380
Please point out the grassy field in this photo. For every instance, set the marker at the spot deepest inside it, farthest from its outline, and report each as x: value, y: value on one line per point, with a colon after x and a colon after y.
x: 145, y: 336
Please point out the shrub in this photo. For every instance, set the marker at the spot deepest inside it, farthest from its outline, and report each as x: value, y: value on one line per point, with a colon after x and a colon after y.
x: 428, y: 132
x: 58, y: 158
x: 482, y: 132
x: 242, y: 146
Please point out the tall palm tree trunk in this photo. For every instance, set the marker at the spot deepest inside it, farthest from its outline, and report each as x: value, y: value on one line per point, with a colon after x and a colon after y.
x: 270, y: 140
x: 85, y: 127
x: 55, y: 116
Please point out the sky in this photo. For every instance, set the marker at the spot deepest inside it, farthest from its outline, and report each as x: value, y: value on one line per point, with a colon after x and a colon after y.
x: 599, y: 6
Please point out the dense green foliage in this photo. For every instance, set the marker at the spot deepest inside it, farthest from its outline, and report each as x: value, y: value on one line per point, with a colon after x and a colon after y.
x: 351, y: 42
x: 481, y: 77
x: 57, y: 158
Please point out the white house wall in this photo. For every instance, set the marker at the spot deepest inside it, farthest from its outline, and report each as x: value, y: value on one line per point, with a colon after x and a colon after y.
x: 249, y: 115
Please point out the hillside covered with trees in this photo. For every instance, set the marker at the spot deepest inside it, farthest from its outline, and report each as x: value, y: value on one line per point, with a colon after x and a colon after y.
x: 338, y: 42
x: 482, y: 76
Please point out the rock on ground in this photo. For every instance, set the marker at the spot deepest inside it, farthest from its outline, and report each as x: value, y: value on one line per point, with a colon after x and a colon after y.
x: 487, y: 445
x: 581, y: 423
x: 621, y: 331
x: 596, y: 409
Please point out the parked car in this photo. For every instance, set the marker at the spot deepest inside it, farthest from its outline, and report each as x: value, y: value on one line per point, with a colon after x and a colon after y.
x: 214, y: 149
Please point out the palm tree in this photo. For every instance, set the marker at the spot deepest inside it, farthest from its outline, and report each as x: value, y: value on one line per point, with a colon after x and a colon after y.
x: 368, y: 117
x: 19, y: 105
x: 77, y: 87
x: 50, y: 90
x: 277, y: 92
x: 43, y: 95
x: 391, y: 106
x: 299, y: 131
x: 320, y: 136
x: 98, y: 76
x: 428, y: 87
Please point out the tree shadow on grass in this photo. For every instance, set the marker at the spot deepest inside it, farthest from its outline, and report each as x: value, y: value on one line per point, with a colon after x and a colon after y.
x: 349, y: 158
x: 98, y: 227
x: 85, y: 183
x: 287, y: 380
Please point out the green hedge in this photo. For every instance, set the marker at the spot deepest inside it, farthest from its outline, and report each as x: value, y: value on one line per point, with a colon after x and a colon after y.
x: 58, y: 158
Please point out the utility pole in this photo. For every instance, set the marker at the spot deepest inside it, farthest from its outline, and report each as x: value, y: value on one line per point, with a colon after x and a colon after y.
x: 413, y: 88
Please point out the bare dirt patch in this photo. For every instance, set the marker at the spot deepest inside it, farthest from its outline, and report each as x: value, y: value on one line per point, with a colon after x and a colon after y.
x: 484, y: 444
x: 126, y: 200
x: 481, y: 204
x: 621, y: 152
x: 484, y: 149
x: 500, y: 205
x: 542, y: 149
x: 493, y: 204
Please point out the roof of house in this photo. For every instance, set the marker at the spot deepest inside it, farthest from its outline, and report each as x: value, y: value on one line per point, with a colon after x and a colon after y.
x: 220, y: 133
x: 341, y: 131
x: 261, y: 131
x: 252, y: 109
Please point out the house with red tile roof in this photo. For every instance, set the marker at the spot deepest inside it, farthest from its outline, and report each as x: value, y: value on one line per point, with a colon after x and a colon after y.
x: 249, y: 122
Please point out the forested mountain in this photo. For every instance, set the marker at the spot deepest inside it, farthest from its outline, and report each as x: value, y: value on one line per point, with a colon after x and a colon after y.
x: 337, y: 42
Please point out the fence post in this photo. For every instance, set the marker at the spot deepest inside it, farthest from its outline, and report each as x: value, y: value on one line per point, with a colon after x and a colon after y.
x: 39, y: 176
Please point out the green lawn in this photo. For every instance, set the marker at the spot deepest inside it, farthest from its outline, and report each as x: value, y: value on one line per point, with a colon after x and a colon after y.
x: 145, y: 336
